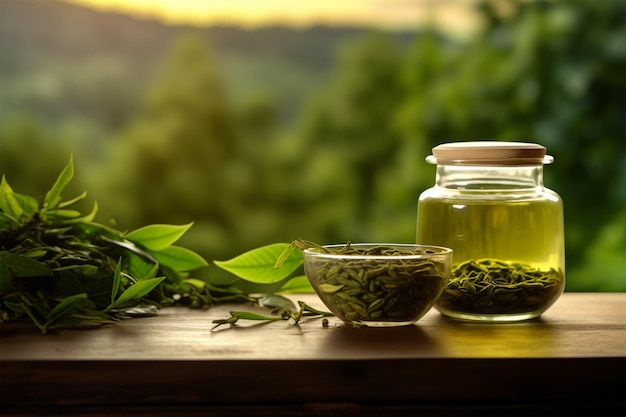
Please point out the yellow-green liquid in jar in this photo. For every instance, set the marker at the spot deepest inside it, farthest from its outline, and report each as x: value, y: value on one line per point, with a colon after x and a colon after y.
x: 514, y: 250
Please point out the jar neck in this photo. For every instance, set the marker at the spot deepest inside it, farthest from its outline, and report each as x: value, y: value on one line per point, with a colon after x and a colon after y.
x: 490, y: 178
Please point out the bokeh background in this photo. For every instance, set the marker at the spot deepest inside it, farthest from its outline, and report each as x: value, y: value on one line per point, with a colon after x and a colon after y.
x: 263, y: 121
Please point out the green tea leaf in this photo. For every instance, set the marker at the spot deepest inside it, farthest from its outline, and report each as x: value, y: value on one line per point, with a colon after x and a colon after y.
x: 9, y: 204
x: 258, y: 264
x: 196, y: 283
x: 135, y: 291
x: 158, y: 236
x: 63, y: 214
x: 14, y: 205
x: 36, y: 253
x: 152, y: 273
x: 66, y: 306
x: 23, y: 266
x: 247, y: 315
x: 86, y: 218
x: 179, y: 258
x: 127, y: 244
x: 235, y: 316
x: 53, y: 197
x: 284, y: 255
x: 74, y: 200
x: 277, y: 301
x: 29, y: 204
x: 330, y: 288
x: 312, y: 310
x: 33, y: 314
x: 17, y: 307
x: 140, y: 268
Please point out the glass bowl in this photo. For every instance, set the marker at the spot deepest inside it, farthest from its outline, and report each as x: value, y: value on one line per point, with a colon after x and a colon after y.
x: 378, y: 284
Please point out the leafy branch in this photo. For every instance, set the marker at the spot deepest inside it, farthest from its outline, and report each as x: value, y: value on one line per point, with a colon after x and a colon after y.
x: 273, y: 263
x: 287, y: 313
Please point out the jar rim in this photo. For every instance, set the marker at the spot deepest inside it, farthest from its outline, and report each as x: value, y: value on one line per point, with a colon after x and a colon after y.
x: 489, y: 153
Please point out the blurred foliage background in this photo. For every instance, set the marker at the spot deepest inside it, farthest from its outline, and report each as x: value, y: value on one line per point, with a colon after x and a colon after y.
x: 266, y: 135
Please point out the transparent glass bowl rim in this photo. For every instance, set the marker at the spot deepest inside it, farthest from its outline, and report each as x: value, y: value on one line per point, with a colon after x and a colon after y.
x: 438, y: 251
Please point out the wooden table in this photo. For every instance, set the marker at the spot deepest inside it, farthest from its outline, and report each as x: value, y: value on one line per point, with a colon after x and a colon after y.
x: 572, y: 361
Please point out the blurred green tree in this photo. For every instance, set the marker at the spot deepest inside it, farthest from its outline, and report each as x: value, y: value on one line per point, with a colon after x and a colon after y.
x: 172, y: 164
x: 348, y: 139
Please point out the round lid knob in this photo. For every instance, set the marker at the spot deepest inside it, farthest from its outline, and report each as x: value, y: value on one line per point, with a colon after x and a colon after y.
x: 489, y: 153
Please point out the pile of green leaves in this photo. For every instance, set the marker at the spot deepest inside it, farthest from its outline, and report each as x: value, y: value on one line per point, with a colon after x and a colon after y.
x: 60, y: 269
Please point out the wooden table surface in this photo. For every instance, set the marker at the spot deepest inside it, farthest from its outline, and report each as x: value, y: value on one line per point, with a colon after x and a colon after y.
x: 572, y: 361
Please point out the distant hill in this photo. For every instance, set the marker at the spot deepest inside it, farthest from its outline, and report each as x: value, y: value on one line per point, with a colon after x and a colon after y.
x: 56, y: 59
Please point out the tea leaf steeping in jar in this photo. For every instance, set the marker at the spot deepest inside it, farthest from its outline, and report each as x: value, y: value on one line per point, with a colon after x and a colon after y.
x: 489, y: 286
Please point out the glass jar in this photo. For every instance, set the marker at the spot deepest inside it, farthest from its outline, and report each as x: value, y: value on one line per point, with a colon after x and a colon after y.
x: 506, y: 230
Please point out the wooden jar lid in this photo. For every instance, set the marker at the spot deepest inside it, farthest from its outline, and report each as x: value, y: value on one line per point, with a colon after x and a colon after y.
x: 490, y: 153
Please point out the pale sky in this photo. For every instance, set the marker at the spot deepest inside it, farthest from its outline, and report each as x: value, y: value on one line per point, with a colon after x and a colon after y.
x: 453, y: 14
